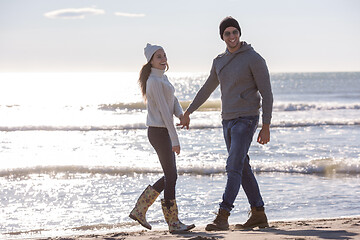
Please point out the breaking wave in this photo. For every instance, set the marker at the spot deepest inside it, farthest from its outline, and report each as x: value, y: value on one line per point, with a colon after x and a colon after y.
x: 324, y: 166
x: 196, y: 125
x: 215, y: 105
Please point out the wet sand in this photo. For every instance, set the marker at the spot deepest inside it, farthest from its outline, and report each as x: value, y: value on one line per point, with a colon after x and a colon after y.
x: 335, y: 228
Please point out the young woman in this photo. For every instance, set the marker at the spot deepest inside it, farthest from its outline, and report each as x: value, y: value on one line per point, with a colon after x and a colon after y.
x: 161, y: 105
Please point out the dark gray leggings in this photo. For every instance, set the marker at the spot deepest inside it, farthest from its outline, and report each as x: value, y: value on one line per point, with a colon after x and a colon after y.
x: 160, y: 140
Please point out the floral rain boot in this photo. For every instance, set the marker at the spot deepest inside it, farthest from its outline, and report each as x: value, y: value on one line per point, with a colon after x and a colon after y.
x: 170, y: 211
x: 146, y: 199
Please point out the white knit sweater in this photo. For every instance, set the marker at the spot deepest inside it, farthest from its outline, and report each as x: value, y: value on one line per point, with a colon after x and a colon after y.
x: 162, y: 104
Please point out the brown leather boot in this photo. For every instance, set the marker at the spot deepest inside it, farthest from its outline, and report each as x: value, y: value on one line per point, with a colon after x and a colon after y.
x: 221, y: 221
x: 257, y: 219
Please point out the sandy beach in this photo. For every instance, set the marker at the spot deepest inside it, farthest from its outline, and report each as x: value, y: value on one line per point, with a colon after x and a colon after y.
x: 334, y: 228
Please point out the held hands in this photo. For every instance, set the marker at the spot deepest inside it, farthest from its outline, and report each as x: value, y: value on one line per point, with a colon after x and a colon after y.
x: 264, y: 134
x: 184, y: 120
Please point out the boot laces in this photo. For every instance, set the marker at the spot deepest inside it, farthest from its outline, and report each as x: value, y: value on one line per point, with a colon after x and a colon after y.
x: 249, y: 213
x: 219, y: 217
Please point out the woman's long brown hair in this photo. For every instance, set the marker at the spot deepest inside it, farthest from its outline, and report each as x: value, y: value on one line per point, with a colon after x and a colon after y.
x: 144, y: 75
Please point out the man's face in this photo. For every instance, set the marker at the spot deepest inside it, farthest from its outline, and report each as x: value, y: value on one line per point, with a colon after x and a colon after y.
x: 231, y: 37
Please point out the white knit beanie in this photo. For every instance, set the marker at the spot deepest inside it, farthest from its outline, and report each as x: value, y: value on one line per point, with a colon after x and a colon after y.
x: 149, y: 51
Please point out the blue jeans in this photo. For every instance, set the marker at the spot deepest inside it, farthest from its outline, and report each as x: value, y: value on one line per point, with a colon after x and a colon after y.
x: 238, y: 134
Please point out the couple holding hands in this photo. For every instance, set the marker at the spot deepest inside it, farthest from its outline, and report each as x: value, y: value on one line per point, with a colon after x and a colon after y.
x: 245, y: 88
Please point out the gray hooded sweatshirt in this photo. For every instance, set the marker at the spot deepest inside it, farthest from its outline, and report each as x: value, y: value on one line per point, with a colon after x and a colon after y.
x: 244, y: 80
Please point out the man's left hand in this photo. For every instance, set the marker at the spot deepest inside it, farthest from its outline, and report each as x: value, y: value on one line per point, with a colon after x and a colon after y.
x: 264, y: 134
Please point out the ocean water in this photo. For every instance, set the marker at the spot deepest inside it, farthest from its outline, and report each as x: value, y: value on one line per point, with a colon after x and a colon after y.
x: 75, y: 156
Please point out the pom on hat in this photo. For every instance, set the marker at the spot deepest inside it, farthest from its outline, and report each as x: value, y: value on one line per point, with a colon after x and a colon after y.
x: 149, y: 51
x: 228, y: 22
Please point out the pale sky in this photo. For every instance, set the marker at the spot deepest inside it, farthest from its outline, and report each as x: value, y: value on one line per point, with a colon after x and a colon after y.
x: 109, y: 35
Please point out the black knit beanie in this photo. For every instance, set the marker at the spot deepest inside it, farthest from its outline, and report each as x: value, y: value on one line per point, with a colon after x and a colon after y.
x: 228, y: 22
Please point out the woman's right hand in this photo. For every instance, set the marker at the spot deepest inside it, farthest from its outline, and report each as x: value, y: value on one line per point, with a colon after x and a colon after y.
x: 176, y: 149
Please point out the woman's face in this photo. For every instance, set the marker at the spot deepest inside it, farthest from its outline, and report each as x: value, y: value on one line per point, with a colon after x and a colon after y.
x: 159, y: 60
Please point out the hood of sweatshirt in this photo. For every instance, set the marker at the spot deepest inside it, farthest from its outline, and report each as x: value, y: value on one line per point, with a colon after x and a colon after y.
x: 244, y: 47
x: 221, y: 60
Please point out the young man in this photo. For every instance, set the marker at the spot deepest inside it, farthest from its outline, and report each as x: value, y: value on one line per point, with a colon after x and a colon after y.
x: 243, y: 76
